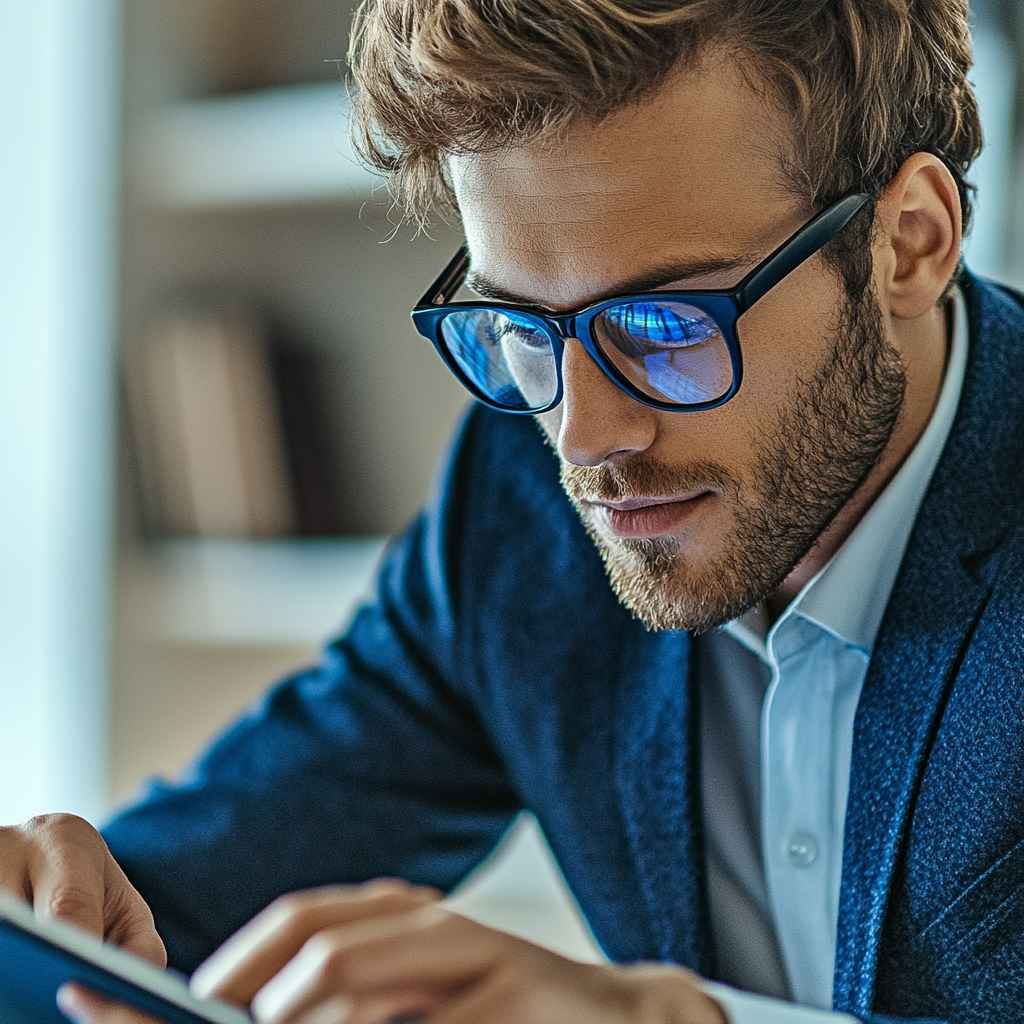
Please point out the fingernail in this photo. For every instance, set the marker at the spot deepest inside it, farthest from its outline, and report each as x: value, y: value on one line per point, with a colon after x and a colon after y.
x: 68, y: 1003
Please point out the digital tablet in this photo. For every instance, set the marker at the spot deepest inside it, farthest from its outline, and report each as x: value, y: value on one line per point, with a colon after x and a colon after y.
x: 37, y: 955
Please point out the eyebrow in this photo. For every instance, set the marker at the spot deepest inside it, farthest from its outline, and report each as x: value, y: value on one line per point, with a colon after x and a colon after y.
x: 652, y: 278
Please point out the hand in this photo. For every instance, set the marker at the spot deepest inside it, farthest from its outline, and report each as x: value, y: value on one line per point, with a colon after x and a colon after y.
x: 59, y: 864
x: 277, y: 934
x: 366, y: 954
x: 337, y: 956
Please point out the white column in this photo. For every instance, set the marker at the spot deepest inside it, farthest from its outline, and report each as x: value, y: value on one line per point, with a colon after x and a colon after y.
x: 58, y: 112
x: 995, y: 81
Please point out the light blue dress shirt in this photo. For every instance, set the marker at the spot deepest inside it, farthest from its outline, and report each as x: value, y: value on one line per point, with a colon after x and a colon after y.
x: 777, y: 711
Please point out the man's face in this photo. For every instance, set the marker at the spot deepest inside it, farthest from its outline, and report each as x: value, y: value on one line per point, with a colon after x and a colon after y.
x: 690, y: 176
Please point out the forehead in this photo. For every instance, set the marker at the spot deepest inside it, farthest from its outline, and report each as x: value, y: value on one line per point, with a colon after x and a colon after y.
x: 692, y: 171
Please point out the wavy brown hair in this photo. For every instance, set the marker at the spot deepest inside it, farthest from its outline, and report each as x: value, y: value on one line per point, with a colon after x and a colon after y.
x: 866, y: 83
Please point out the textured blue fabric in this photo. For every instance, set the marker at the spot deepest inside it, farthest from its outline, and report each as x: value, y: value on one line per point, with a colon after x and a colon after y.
x: 495, y: 670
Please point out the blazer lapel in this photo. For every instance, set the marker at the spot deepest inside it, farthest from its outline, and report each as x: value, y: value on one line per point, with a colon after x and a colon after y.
x: 656, y: 772
x: 936, y: 603
x: 919, y: 649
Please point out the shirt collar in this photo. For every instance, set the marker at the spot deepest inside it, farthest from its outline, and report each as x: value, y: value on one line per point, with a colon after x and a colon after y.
x: 848, y: 595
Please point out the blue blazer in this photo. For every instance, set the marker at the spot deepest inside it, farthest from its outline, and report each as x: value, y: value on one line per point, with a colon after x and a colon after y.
x: 495, y: 670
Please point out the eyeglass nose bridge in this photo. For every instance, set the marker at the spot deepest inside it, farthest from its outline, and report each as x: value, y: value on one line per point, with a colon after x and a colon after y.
x: 565, y: 323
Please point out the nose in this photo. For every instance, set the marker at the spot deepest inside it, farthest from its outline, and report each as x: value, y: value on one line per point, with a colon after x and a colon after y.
x: 598, y: 420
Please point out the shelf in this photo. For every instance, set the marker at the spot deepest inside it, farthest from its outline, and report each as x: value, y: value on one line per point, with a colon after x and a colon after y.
x: 291, y: 593
x: 283, y: 145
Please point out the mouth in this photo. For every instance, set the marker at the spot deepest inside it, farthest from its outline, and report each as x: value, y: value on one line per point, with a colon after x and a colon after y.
x: 651, y: 517
x: 635, y: 503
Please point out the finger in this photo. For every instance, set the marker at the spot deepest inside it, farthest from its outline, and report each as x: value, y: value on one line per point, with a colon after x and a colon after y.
x: 14, y: 880
x: 139, y: 937
x: 255, y: 953
x: 509, y: 996
x: 373, y: 1009
x: 429, y: 948
x: 488, y: 1001
x: 88, y: 1007
x: 385, y: 1009
x: 64, y: 868
x: 66, y: 872
x: 128, y: 920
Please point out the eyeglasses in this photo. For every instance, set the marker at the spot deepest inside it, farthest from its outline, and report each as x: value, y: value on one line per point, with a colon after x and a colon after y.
x: 672, y: 350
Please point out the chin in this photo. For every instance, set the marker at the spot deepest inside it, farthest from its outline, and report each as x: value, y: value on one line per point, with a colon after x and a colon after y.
x: 666, y: 589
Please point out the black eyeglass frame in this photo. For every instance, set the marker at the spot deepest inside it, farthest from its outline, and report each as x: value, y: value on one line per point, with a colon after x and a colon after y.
x: 725, y: 307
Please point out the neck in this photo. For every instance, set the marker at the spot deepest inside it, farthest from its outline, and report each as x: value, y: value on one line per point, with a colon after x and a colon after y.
x: 925, y: 354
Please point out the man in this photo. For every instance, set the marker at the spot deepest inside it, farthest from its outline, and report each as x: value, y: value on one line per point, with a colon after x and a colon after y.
x: 758, y: 676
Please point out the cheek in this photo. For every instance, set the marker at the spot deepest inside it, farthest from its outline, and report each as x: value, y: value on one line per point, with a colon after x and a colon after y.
x: 784, y: 338
x: 722, y: 439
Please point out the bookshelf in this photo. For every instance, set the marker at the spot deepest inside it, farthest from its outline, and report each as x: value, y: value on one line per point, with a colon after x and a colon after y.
x: 238, y: 176
x: 249, y: 593
x: 239, y: 179
x: 274, y: 146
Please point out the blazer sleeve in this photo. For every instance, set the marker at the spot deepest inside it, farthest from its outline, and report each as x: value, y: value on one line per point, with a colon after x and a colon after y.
x: 373, y: 762
x: 742, y: 1007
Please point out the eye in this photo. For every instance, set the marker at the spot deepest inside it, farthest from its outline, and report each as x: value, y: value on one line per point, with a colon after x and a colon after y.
x: 643, y: 328
x: 522, y: 335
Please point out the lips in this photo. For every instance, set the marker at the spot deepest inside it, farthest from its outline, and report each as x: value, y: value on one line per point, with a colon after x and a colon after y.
x: 634, y: 503
x: 652, y: 517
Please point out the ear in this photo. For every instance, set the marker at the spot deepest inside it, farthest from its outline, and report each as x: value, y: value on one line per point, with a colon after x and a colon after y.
x: 920, y: 229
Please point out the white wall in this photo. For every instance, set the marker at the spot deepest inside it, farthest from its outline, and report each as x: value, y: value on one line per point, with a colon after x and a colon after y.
x: 995, y: 79
x: 57, y: 116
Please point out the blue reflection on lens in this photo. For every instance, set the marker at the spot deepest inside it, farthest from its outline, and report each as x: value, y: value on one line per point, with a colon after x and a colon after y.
x: 671, y: 350
x: 507, y: 355
x: 658, y: 323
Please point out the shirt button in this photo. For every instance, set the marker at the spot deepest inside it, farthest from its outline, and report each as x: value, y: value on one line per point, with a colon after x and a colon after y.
x: 802, y: 849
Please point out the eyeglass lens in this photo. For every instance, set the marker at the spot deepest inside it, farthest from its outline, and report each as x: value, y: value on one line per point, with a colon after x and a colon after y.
x: 671, y: 351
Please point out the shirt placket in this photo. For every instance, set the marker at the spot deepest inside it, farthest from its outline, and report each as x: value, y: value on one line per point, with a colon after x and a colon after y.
x: 796, y: 812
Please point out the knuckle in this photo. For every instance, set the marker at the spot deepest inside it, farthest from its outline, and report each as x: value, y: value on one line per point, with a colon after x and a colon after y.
x: 390, y: 892
x: 332, y: 962
x: 287, y: 906
x: 410, y: 901
x: 294, y: 915
x: 134, y: 907
x: 434, y: 916
x: 69, y: 899
x: 386, y: 885
x: 136, y: 919
x: 655, y: 987
x: 123, y: 901
x: 62, y: 820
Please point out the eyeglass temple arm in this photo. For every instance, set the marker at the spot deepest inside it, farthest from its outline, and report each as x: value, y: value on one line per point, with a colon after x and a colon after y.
x: 798, y: 247
x: 448, y: 281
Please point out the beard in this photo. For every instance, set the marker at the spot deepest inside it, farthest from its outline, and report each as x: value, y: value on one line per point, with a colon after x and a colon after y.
x: 820, y: 448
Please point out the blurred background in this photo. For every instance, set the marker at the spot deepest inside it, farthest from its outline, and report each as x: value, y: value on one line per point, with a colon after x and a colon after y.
x: 214, y: 409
